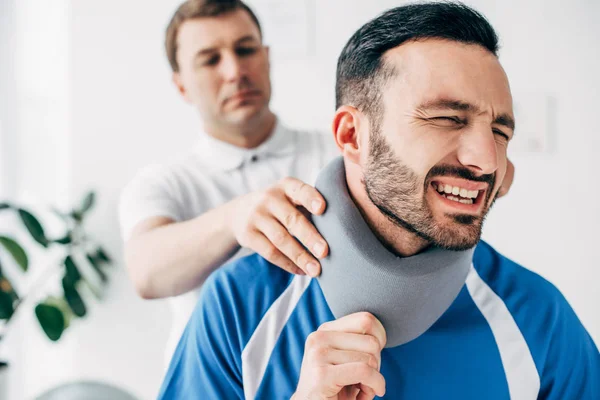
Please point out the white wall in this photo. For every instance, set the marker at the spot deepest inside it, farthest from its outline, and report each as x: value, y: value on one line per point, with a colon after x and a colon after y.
x: 124, y: 113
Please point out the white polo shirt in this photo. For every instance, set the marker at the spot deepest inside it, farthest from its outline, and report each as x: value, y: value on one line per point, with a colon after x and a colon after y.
x: 214, y: 173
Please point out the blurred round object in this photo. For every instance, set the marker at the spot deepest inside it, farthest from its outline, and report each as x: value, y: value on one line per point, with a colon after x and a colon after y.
x: 86, y: 391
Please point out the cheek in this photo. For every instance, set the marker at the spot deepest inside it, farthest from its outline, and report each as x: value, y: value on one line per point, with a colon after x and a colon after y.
x: 204, y: 86
x: 502, y: 160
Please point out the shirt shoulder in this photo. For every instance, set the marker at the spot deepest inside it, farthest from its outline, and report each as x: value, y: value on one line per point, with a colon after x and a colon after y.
x: 565, y: 356
x: 208, y: 361
x: 509, y: 279
x: 245, y: 289
x: 162, y: 190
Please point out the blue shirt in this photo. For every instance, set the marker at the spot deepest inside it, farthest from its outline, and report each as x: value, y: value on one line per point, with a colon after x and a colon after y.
x: 508, y: 334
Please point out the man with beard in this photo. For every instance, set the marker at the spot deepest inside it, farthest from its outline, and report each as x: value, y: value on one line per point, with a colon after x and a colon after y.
x: 410, y: 304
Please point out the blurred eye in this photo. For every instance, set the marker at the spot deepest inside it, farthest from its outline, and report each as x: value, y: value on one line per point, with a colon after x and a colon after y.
x: 214, y: 60
x: 245, y: 51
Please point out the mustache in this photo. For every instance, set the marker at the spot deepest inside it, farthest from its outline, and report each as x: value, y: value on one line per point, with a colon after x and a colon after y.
x: 459, y: 172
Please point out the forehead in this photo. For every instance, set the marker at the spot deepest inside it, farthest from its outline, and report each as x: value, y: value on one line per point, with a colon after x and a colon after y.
x: 435, y: 68
x: 222, y: 30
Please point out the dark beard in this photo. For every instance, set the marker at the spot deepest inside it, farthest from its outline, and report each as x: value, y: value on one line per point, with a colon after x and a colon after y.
x: 393, y: 188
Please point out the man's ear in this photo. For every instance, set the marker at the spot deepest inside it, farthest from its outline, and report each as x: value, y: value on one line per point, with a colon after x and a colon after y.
x: 346, y: 132
x: 180, y: 88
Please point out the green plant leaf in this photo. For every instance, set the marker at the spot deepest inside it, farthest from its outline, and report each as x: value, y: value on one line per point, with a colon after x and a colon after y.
x: 102, y: 256
x: 65, y: 240
x: 16, y: 251
x: 97, y: 267
x: 51, y: 319
x: 73, y: 298
x: 88, y: 202
x: 72, y: 271
x: 6, y: 305
x: 76, y: 215
x: 34, y: 227
x: 96, y: 291
x: 4, y: 206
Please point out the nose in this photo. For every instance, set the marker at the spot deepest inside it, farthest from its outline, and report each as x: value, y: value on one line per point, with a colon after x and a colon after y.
x: 477, y: 150
x: 232, y: 68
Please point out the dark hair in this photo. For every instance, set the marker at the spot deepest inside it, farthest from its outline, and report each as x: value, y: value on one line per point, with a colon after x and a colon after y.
x: 192, y: 9
x: 361, y: 73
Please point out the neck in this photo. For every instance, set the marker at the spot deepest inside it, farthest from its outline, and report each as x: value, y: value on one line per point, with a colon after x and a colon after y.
x: 248, y: 135
x: 397, y: 239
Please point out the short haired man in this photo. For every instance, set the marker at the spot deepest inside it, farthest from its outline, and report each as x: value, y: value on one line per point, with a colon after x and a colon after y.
x: 423, y: 122
x: 235, y: 188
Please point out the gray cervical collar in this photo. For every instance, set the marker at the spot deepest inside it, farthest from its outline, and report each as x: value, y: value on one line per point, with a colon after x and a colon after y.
x: 406, y: 294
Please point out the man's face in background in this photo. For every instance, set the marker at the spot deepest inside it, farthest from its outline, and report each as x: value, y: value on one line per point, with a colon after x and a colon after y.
x: 437, y: 154
x: 223, y: 68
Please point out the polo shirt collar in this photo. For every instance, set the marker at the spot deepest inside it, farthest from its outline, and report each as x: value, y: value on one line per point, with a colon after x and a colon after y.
x: 224, y: 156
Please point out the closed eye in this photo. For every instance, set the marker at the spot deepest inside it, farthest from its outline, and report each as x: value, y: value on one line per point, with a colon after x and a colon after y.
x: 499, y: 132
x: 454, y: 120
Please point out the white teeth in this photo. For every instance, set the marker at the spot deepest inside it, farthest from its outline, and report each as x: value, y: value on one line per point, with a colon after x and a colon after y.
x: 459, y: 200
x: 457, y: 191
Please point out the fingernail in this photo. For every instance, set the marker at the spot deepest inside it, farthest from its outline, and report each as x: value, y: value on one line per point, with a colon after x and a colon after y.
x: 313, y: 269
x: 315, y: 205
x: 318, y: 248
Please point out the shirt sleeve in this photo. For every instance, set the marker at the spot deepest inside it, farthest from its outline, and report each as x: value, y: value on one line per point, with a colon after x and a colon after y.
x: 207, y: 361
x: 572, y: 368
x: 151, y: 193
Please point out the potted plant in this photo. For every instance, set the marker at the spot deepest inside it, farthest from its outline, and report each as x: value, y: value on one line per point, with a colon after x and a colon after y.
x: 80, y: 264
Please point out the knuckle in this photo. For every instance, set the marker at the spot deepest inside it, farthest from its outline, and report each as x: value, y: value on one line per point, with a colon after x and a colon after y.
x: 372, y: 361
x: 298, y: 186
x: 367, y: 322
x: 299, y: 258
x: 292, y: 219
x: 324, y: 326
x: 320, y: 353
x: 280, y: 238
x: 314, y: 339
x: 373, y: 344
x: 270, y: 253
x: 269, y: 194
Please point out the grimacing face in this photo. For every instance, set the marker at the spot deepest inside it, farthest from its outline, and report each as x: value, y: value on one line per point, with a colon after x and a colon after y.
x: 223, y: 68
x: 437, y: 156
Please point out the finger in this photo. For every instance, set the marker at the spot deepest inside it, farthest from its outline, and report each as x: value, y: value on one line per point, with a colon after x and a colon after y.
x: 262, y: 245
x: 322, y: 345
x: 363, y: 323
x: 508, y: 179
x: 337, y: 357
x: 366, y: 393
x: 304, y: 195
x: 299, y: 226
x: 286, y: 244
x: 358, y: 373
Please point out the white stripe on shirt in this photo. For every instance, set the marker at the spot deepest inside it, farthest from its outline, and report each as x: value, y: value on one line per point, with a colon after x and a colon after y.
x: 521, y: 373
x: 256, y: 354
